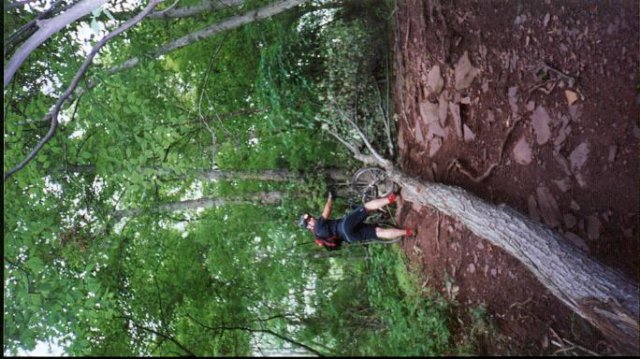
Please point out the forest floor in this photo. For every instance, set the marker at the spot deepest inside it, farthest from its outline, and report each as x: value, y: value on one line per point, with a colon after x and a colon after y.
x: 556, y: 85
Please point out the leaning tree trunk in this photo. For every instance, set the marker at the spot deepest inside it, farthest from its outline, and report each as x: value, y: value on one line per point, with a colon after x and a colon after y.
x: 601, y: 295
x: 334, y: 176
x: 263, y: 198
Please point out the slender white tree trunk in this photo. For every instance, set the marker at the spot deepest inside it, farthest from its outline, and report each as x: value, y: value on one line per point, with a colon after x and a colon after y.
x: 228, y: 24
x: 260, y: 198
x: 205, y: 5
x: 47, y: 29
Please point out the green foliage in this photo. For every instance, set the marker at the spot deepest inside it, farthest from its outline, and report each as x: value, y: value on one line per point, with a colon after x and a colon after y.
x: 259, y: 97
x: 377, y: 308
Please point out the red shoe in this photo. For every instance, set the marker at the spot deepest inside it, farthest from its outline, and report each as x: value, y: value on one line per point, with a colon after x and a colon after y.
x: 393, y: 197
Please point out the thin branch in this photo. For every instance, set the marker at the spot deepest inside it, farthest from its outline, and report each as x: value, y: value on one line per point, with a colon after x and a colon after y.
x: 251, y: 330
x: 162, y: 315
x: 74, y: 83
x: 228, y: 24
x: 205, y: 5
x: 8, y: 6
x: 383, y: 162
x: 386, y: 120
x: 348, y: 145
x: 214, y: 139
x: 165, y: 11
x: 165, y: 336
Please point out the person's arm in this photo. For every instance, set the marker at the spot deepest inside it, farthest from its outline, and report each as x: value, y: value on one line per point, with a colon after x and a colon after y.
x: 326, y: 213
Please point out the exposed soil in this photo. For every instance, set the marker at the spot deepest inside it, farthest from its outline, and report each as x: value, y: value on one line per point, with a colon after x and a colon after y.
x: 570, y: 160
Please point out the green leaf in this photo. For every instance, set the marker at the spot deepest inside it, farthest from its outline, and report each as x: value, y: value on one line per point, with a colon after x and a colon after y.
x: 45, y: 288
x: 35, y: 264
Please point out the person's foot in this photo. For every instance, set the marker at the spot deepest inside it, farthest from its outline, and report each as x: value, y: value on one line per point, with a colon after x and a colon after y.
x: 394, y: 196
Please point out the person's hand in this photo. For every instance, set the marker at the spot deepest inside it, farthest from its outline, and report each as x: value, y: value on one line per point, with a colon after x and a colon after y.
x: 332, y: 194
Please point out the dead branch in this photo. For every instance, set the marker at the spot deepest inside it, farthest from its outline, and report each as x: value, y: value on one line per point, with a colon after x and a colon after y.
x: 541, y: 87
x: 53, y: 114
x: 562, y: 344
x: 520, y: 304
x: 206, y: 5
x: 379, y: 159
x: 386, y: 121
x: 546, y: 68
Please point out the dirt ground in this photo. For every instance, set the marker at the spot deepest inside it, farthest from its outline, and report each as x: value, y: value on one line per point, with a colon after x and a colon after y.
x: 556, y: 85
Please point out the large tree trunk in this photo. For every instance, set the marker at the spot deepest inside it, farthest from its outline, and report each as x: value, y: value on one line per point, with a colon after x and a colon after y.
x: 601, y: 295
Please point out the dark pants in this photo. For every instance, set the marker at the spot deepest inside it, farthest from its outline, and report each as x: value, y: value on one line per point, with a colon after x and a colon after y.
x: 352, y: 229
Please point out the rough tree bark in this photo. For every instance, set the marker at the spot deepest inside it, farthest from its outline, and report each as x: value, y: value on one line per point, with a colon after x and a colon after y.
x: 603, y: 296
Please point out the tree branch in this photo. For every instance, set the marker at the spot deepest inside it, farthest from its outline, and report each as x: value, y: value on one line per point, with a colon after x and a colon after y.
x: 383, y: 162
x: 228, y: 24
x: 53, y: 114
x: 165, y: 336
x: 47, y: 29
x: 30, y: 27
x: 251, y: 330
x: 205, y: 5
x: 8, y: 6
x: 367, y: 159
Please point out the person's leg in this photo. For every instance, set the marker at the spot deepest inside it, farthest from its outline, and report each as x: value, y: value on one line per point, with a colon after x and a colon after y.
x: 350, y: 222
x: 391, y: 233
x: 380, y: 202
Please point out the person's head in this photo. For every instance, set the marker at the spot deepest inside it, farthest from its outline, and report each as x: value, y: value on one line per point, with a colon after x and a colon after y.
x: 307, y: 222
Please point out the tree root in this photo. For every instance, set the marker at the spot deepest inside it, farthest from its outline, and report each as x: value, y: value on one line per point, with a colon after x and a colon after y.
x: 566, y: 345
x: 438, y: 232
x: 477, y: 179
